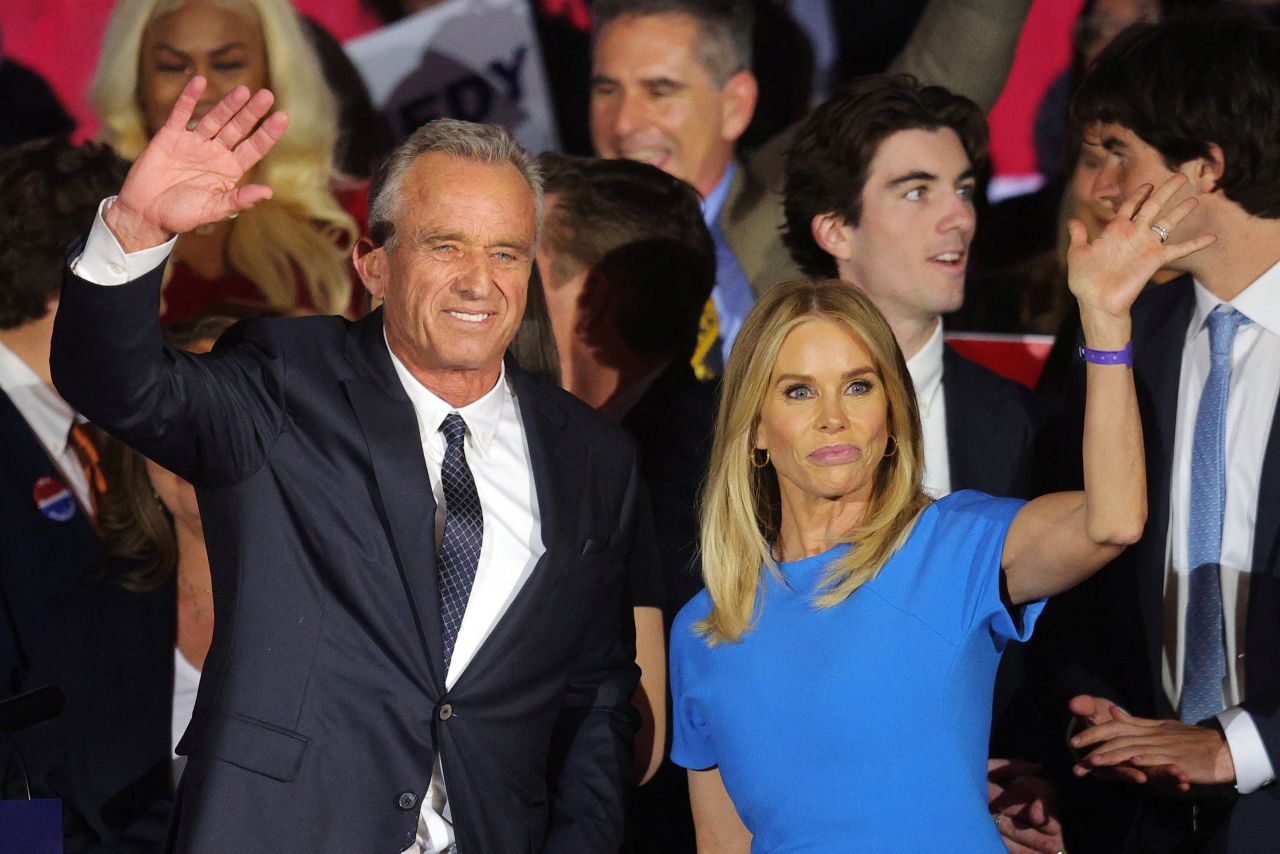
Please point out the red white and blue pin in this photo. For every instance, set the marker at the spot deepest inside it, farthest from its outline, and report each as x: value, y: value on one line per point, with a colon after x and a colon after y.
x: 54, y: 499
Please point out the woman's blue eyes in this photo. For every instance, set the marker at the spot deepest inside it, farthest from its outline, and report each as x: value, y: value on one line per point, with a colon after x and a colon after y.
x: 804, y: 392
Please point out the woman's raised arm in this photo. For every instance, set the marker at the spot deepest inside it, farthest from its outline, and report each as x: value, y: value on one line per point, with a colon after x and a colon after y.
x: 1059, y: 540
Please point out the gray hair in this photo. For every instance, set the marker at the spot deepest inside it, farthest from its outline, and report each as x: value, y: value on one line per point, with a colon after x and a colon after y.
x: 464, y: 140
x: 724, y: 29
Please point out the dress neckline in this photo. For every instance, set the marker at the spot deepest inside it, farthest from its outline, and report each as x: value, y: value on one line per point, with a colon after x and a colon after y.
x: 805, y: 573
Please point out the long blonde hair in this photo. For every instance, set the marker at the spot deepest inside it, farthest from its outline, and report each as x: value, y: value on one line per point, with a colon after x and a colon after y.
x: 302, y: 230
x: 741, y: 504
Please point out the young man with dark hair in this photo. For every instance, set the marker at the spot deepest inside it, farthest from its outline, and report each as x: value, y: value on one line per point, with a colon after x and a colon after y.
x: 1177, y: 671
x: 672, y: 86
x: 879, y: 193
x: 47, y: 540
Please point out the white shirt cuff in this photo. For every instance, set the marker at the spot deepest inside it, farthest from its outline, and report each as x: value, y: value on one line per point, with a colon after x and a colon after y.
x: 1253, y: 765
x: 104, y: 261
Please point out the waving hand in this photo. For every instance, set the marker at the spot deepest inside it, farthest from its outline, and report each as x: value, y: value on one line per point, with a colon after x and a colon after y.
x: 1108, y: 274
x: 186, y: 178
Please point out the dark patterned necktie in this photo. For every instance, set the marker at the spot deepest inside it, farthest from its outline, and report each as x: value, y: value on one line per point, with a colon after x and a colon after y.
x: 463, y: 533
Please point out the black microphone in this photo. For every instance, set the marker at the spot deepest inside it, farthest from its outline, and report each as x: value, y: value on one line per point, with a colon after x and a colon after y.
x: 32, y: 707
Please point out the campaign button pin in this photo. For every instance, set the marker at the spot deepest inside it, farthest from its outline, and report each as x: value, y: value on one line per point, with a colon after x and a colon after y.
x: 54, y: 500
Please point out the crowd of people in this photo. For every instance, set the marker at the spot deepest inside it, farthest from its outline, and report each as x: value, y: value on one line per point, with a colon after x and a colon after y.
x: 492, y: 500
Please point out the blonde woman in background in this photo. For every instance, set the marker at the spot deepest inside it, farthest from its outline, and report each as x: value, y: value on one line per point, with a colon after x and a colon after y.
x: 289, y: 253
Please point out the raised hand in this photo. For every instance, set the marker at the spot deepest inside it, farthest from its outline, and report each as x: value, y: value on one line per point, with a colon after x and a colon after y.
x: 186, y: 178
x: 1108, y: 274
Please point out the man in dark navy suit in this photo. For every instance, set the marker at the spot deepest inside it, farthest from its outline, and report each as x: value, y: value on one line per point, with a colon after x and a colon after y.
x: 47, y: 541
x: 879, y: 192
x: 419, y: 552
x: 1175, y: 672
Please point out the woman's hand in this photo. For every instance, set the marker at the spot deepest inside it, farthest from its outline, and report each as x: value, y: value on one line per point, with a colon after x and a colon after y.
x: 1107, y: 275
x: 187, y: 178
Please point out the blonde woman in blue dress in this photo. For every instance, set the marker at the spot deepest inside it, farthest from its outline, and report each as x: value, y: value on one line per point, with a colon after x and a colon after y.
x: 832, y: 684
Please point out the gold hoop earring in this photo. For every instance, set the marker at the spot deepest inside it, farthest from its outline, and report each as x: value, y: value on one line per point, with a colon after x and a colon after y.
x: 894, y: 443
x: 754, y: 457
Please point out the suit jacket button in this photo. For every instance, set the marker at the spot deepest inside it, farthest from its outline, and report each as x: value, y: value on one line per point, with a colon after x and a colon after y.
x: 446, y: 712
x: 407, y: 800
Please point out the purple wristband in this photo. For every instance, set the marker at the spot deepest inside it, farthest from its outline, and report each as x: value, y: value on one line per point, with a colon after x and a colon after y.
x: 1109, y: 357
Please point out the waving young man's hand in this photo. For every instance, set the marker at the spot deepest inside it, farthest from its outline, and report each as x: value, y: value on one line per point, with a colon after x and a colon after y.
x: 190, y: 177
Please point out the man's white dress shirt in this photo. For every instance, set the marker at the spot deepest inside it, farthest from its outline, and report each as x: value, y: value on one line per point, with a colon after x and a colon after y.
x: 498, y: 456
x: 1251, y: 405
x: 925, y: 368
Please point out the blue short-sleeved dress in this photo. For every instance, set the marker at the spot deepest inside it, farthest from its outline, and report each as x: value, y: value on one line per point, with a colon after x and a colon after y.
x: 863, y: 727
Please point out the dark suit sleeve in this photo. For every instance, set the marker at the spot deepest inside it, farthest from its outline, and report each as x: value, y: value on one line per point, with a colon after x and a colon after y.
x: 593, y: 740
x: 210, y: 419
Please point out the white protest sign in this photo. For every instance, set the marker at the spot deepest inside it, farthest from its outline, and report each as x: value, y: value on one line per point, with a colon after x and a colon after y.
x: 466, y: 59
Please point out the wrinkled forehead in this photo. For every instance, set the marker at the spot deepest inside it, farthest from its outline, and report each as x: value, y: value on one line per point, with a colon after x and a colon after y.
x: 481, y: 198
x: 643, y: 46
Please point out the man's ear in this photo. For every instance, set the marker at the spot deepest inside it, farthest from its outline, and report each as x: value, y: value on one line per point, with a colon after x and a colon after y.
x: 833, y: 235
x: 1207, y: 171
x: 740, y: 94
x: 372, y: 265
x: 597, y: 304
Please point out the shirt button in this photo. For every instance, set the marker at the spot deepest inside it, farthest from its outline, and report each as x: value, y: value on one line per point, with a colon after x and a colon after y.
x: 116, y: 269
x: 407, y: 800
x: 446, y: 712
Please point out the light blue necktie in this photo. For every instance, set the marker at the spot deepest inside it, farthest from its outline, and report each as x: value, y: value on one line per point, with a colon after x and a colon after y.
x: 1205, y: 661
x: 463, y: 533
x: 732, y: 293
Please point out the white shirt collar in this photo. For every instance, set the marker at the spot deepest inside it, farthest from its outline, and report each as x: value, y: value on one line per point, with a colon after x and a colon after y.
x: 925, y: 368
x: 49, y: 416
x: 482, y: 415
x: 1260, y: 302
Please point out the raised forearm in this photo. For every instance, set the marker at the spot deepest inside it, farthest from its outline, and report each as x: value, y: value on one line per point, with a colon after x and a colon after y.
x: 1115, y: 481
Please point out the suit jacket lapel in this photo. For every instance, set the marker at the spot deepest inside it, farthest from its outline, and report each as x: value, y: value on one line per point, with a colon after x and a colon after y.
x: 964, y: 457
x: 408, y: 505
x: 559, y: 462
x: 1157, y: 372
x: 20, y: 445
x: 975, y: 459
